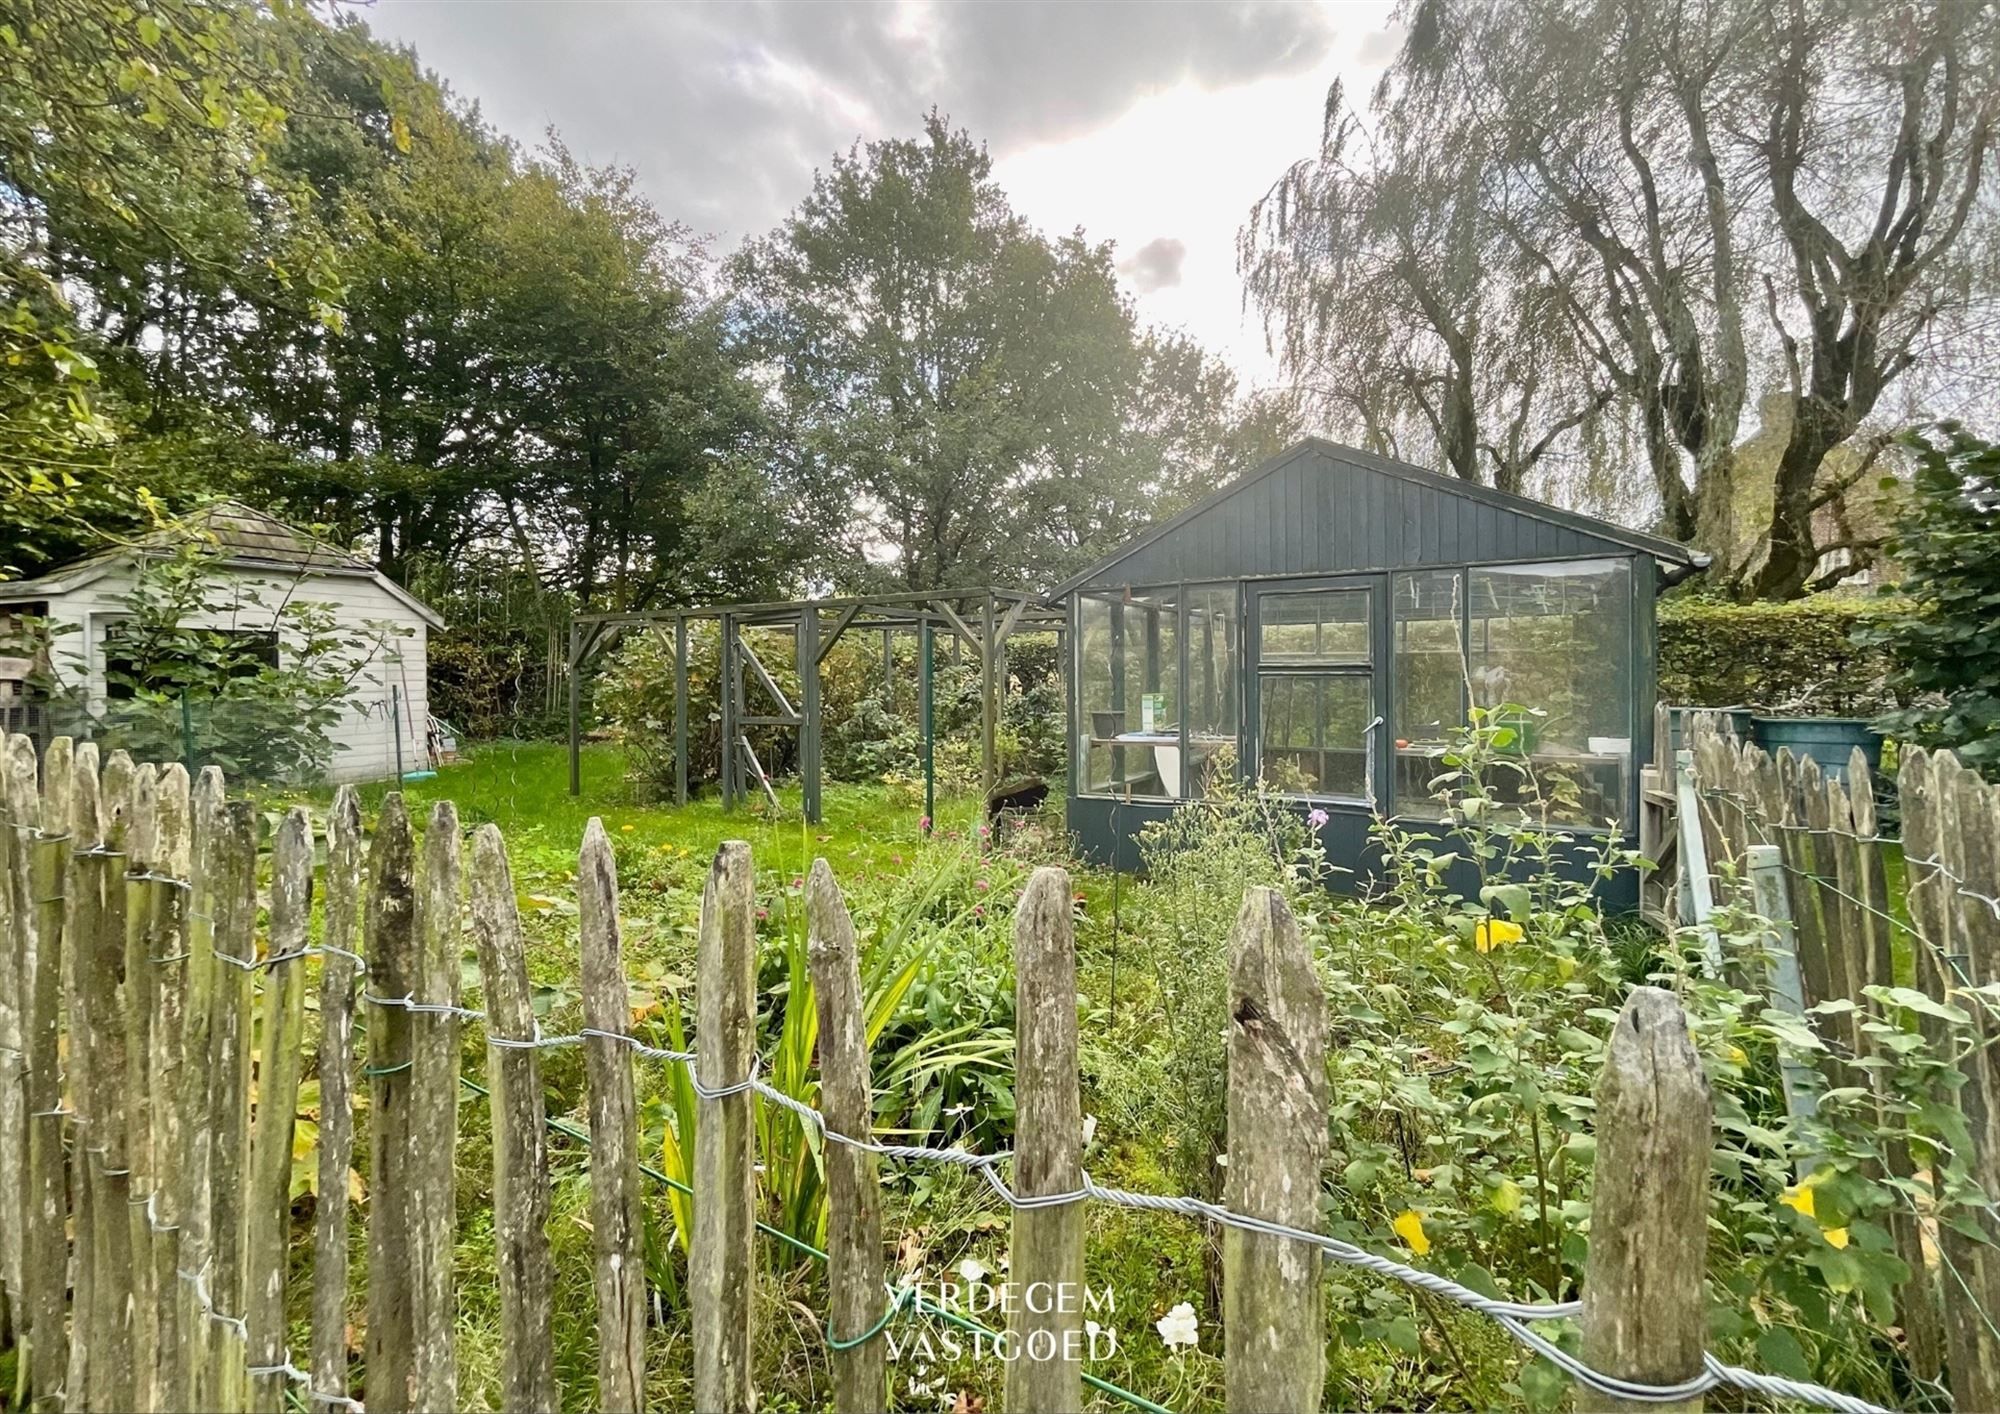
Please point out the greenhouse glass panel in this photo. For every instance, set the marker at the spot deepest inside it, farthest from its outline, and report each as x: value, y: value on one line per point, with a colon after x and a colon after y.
x: 1429, y: 672
x: 1214, y: 688
x: 1549, y: 659
x: 1129, y: 689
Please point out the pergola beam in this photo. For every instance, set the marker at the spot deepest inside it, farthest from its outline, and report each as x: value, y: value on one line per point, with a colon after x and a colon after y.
x: 1001, y: 613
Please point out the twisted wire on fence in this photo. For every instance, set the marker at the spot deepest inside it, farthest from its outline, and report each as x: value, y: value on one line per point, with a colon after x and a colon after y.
x: 1513, y: 1317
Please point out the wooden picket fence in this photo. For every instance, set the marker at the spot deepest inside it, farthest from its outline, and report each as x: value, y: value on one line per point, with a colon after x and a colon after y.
x: 1800, y: 851
x: 153, y: 1038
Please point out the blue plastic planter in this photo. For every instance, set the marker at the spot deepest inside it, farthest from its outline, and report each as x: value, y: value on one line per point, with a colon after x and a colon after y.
x: 1828, y: 740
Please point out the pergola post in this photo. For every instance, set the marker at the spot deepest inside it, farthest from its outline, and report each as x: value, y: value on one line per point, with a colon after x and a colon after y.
x: 681, y: 710
x: 726, y: 689
x: 575, y: 710
x: 809, y: 733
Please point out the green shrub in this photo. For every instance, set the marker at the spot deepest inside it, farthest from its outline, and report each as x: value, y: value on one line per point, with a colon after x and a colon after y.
x: 1940, y: 639
x: 1798, y: 658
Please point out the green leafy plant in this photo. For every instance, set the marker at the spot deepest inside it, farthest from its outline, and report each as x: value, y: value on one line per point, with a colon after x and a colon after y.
x: 1945, y: 655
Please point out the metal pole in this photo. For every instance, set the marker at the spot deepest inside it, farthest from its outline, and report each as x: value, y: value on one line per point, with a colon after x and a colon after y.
x: 575, y: 714
x: 726, y: 686
x: 988, y: 707
x: 681, y: 710
x: 809, y: 743
x: 926, y: 640
x: 396, y: 715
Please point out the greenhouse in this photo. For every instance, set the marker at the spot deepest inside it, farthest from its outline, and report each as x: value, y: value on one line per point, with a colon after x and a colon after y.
x: 1324, y: 626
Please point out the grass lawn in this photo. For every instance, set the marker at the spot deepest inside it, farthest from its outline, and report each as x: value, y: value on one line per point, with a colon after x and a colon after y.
x: 523, y: 787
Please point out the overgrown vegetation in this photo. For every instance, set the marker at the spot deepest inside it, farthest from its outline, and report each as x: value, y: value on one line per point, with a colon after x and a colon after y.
x: 1470, y: 1002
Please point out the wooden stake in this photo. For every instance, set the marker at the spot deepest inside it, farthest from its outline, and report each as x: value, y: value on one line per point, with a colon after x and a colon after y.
x: 520, y: 1150
x: 167, y: 948
x: 721, y: 1269
x: 83, y: 909
x: 16, y: 913
x: 1046, y: 1262
x: 1274, y: 1332
x: 617, y: 1219
x: 138, y: 1006
x: 434, y: 1115
x: 339, y: 936
x: 44, y: 820
x: 854, y: 1192
x: 392, y: 966
x: 197, y: 1097
x: 270, y: 1196
x: 1644, y: 1313
x: 229, y: 1045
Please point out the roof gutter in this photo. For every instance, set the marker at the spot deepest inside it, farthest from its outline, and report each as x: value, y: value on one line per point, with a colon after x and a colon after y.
x: 1671, y: 575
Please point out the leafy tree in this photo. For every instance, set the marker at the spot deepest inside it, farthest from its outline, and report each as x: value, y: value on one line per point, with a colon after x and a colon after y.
x: 134, y: 160
x: 977, y: 395
x: 1945, y: 655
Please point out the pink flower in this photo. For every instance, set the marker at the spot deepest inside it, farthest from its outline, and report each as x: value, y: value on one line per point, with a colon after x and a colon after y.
x: 763, y: 913
x: 797, y: 882
x: 924, y: 824
x: 983, y: 884
x: 1316, y: 818
x: 985, y: 830
x: 979, y: 910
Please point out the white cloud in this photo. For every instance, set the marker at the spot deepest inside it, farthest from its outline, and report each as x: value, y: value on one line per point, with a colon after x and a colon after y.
x: 1152, y: 125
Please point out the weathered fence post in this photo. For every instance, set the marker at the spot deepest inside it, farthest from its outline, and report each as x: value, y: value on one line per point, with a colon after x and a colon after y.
x: 520, y: 1151
x: 43, y: 815
x: 854, y: 1194
x: 339, y: 936
x: 196, y: 1100
x: 83, y: 899
x: 1274, y: 1333
x: 137, y: 1004
x: 434, y: 1116
x: 102, y: 974
x: 229, y: 1041
x: 1644, y: 1313
x: 721, y: 1267
x: 617, y: 1220
x: 13, y: 1064
x: 166, y: 958
x: 1046, y: 1375
x: 277, y: 1107
x: 392, y: 966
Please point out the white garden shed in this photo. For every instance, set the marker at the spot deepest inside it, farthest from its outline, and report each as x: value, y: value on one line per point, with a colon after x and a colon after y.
x: 257, y: 563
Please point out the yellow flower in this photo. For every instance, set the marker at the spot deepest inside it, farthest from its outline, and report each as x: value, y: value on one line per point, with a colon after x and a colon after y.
x: 1410, y: 1227
x: 1799, y: 1197
x: 1835, y: 1236
x: 1495, y: 933
x: 1737, y: 1056
x: 628, y: 829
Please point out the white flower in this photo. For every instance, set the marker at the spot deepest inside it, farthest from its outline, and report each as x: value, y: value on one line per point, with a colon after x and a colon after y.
x: 1178, y: 1326
x: 1089, y: 1129
x: 1222, y: 1160
x: 972, y: 1269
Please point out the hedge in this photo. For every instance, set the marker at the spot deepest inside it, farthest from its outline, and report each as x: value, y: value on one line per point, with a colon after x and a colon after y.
x: 1796, y: 658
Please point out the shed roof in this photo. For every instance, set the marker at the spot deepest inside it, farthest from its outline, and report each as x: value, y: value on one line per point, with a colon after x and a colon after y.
x: 241, y: 537
x: 1323, y: 508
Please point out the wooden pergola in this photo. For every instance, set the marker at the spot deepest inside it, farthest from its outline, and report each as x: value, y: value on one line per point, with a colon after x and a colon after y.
x: 984, y: 619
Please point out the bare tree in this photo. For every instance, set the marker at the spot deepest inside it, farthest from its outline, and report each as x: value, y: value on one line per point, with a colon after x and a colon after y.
x: 1578, y: 214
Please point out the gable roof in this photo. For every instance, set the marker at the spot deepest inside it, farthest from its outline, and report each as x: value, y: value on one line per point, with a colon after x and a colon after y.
x: 240, y: 537
x: 1322, y: 507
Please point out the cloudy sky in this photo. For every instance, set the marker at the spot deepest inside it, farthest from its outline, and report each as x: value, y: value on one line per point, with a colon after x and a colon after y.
x: 1151, y: 124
